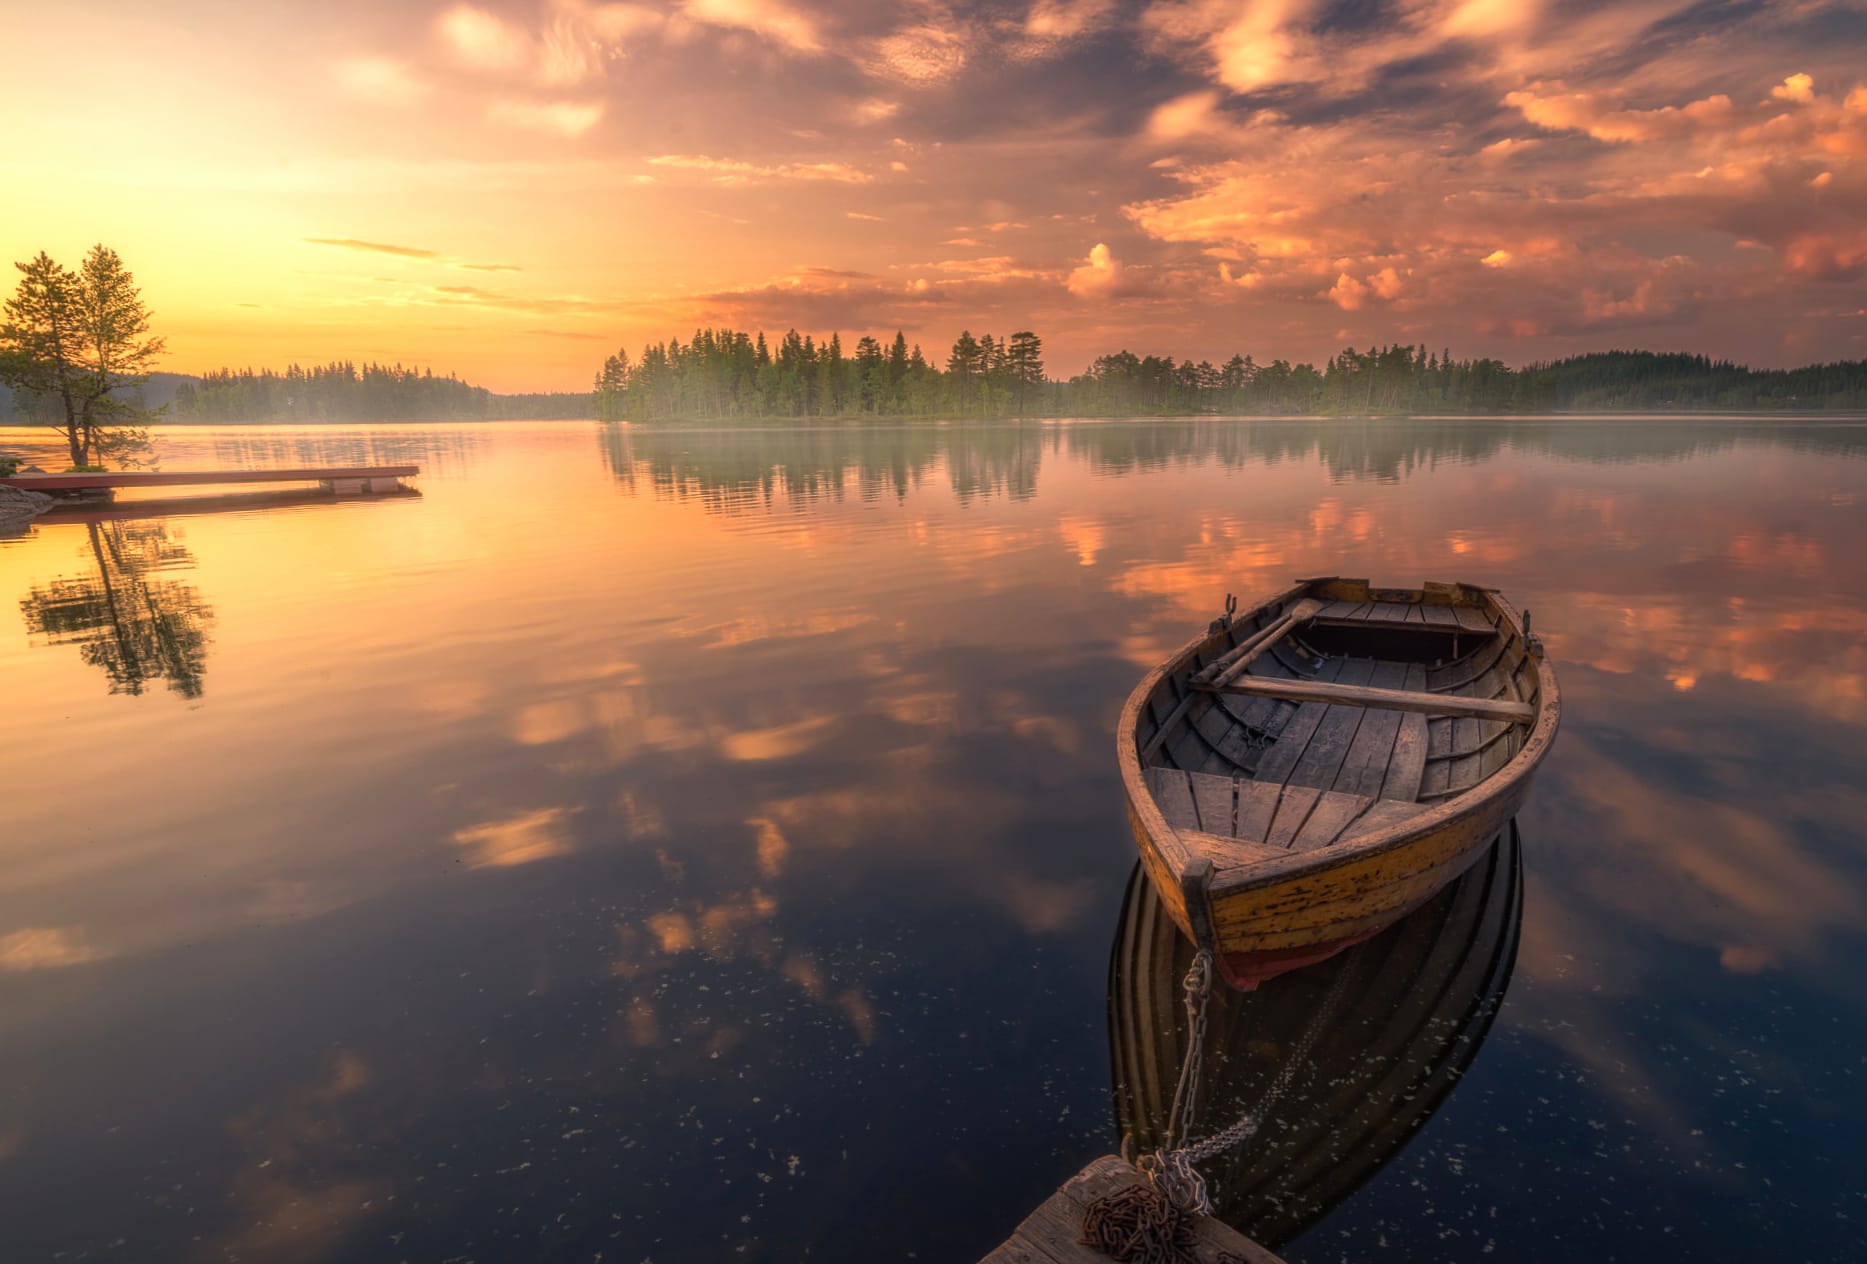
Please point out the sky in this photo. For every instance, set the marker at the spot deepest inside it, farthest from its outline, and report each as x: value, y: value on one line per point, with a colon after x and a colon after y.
x: 510, y: 190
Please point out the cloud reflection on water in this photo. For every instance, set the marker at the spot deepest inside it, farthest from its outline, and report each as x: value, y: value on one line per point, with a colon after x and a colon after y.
x: 775, y: 764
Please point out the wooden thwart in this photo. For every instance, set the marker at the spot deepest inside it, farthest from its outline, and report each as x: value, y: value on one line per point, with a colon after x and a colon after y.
x: 1361, y: 696
x: 1443, y: 624
x: 1053, y: 1233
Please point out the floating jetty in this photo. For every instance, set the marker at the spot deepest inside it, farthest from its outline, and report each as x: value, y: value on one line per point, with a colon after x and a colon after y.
x: 348, y: 480
x: 1053, y: 1234
x: 96, y: 510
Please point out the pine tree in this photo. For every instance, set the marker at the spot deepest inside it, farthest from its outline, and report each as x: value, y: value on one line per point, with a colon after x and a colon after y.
x: 962, y: 365
x: 82, y: 340
x: 1024, y: 364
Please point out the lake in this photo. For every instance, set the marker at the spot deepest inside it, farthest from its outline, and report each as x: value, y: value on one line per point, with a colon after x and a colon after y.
x: 692, y: 844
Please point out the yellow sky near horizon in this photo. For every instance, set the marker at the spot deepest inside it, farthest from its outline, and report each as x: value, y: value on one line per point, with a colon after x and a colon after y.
x: 511, y: 190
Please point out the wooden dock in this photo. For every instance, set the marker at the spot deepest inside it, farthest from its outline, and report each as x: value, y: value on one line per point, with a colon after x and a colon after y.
x: 342, y: 479
x: 1053, y: 1233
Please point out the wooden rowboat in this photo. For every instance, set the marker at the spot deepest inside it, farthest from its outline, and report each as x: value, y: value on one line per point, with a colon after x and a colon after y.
x: 1303, y: 775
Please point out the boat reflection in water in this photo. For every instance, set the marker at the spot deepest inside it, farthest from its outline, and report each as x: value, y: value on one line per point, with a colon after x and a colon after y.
x: 1340, y: 1062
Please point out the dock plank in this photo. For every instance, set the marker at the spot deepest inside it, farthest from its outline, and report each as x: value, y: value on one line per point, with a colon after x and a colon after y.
x: 115, y: 480
x: 1052, y: 1234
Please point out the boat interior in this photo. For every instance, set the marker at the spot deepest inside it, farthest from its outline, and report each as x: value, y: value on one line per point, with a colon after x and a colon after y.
x: 1338, y: 712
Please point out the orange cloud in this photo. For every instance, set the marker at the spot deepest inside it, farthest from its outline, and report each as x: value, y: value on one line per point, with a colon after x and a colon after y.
x: 730, y: 171
x: 1584, y: 112
x: 1098, y: 277
x: 779, y: 23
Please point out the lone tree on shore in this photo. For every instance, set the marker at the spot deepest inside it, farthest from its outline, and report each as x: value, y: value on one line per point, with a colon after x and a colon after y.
x: 78, y: 343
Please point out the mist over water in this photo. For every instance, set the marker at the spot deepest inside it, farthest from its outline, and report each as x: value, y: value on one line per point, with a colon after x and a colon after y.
x: 696, y: 844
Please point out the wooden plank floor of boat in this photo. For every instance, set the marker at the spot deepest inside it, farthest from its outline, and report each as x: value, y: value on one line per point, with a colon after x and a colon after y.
x: 1052, y: 1233
x: 1336, y: 771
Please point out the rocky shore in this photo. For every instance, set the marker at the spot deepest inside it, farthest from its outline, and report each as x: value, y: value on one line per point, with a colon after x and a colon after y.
x: 19, y: 507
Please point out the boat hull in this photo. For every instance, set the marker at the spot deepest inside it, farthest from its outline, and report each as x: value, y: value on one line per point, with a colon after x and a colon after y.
x: 1260, y: 898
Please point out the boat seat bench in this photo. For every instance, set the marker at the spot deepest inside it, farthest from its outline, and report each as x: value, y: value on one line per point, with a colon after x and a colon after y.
x: 1425, y: 702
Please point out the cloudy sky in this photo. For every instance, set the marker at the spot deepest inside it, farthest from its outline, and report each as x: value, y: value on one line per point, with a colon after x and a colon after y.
x: 510, y: 189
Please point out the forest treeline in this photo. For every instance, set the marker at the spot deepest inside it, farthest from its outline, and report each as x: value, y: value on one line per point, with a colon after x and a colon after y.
x: 729, y: 373
x: 725, y: 374
x: 342, y: 391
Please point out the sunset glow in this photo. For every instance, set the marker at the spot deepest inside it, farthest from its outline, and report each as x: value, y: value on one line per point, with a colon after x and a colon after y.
x: 510, y: 190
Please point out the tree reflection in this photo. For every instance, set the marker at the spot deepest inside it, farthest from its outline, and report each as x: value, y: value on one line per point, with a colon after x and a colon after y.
x: 124, y: 618
x: 747, y: 469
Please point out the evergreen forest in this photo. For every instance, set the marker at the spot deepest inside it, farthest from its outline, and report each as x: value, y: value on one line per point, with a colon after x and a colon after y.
x: 731, y: 375
x: 341, y: 391
x: 725, y: 374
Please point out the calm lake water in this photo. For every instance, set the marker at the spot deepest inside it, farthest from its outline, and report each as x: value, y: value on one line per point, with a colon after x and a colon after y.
x: 705, y: 844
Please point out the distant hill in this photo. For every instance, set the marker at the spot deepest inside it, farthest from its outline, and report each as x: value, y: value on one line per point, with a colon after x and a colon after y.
x: 1647, y: 380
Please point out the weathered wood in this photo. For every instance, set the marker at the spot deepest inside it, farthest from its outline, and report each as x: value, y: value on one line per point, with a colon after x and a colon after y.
x: 1322, y: 758
x: 1257, y: 806
x: 1229, y: 667
x: 1381, y: 814
x: 1364, y: 766
x: 1332, y: 815
x: 1053, y: 1233
x: 1396, y: 699
x: 1407, y: 764
x: 1281, y: 759
x: 1296, y: 732
x: 1293, y: 809
x: 1407, y: 624
x: 1213, y: 797
x: 114, y: 480
x: 1272, y: 905
x: 1174, y: 796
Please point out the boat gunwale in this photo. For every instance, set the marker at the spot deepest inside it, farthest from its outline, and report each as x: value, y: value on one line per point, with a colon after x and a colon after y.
x: 1142, y: 808
x: 1263, y: 871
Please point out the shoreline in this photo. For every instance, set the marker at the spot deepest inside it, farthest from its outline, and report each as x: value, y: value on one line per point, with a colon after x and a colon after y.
x: 867, y: 421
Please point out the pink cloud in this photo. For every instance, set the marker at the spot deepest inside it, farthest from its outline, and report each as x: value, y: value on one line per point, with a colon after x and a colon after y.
x: 1098, y: 277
